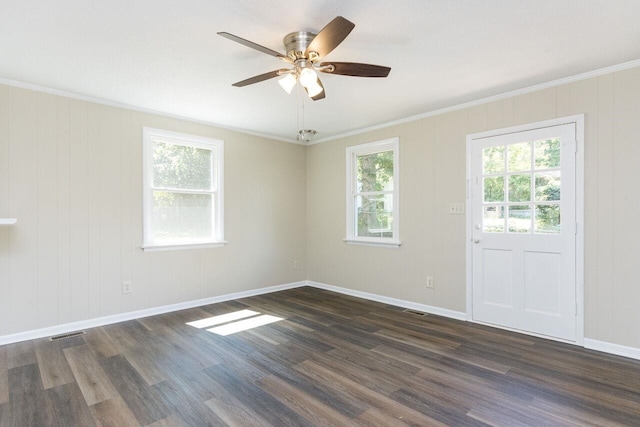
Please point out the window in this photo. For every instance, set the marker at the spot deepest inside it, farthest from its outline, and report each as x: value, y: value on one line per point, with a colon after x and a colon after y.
x: 183, y: 183
x: 372, y: 193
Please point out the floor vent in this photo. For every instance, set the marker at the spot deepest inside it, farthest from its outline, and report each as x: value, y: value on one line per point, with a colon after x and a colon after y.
x: 417, y: 313
x: 65, y: 336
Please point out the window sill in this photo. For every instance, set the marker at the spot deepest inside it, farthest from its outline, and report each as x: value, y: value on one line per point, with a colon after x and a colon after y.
x: 381, y: 244
x: 177, y: 247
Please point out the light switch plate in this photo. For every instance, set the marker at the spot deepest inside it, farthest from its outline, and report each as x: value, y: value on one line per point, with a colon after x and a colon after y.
x: 456, y: 208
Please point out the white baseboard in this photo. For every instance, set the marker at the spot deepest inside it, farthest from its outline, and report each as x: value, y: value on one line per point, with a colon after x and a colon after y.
x: 107, y: 320
x: 458, y: 315
x: 606, y: 347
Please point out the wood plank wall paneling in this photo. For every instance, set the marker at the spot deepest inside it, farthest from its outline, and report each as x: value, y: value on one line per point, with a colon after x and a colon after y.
x: 601, y: 298
x: 23, y: 160
x: 626, y: 205
x: 5, y: 211
x: 71, y: 172
x: 611, y: 107
x: 79, y: 185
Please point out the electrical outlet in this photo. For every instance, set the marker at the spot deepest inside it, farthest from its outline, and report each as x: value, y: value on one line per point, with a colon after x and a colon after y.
x: 430, y: 282
x: 126, y: 287
x: 296, y: 265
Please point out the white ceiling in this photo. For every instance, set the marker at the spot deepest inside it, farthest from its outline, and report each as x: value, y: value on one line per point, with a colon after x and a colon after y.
x: 165, y: 55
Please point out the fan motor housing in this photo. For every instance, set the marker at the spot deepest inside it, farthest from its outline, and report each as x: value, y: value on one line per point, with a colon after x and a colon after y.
x: 296, y: 44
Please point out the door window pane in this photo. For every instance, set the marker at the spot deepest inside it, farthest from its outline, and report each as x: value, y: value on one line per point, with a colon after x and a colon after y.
x: 548, y: 219
x: 519, y: 157
x: 519, y: 219
x: 493, y: 189
x: 493, y: 219
x: 493, y: 160
x: 520, y: 188
x: 547, y: 153
x: 548, y: 186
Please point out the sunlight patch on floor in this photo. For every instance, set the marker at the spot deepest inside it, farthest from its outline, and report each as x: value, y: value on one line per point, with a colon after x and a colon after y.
x: 222, y: 318
x: 233, y: 322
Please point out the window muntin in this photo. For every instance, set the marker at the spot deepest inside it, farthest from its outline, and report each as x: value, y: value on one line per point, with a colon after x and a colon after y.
x: 372, y: 193
x: 182, y: 190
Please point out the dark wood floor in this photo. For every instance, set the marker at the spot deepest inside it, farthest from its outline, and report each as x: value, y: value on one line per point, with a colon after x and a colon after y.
x: 334, y: 360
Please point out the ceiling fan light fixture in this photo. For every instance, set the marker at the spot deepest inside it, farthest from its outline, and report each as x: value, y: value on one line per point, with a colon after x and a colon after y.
x: 288, y: 82
x: 308, y: 77
x: 314, y: 89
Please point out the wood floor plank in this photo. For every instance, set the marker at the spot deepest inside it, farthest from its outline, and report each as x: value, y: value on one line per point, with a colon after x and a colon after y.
x: 304, y: 404
x: 68, y: 406
x: 375, y: 417
x: 170, y: 421
x: 54, y: 368
x: 573, y: 415
x: 145, y: 403
x: 233, y: 412
x: 21, y: 354
x: 113, y: 413
x: 250, y: 395
x: 187, y: 410
x: 147, y: 366
x: 100, y: 343
x: 365, y: 394
x: 4, y: 375
x: 27, y: 396
x: 5, y: 415
x: 329, y: 396
x: 435, y: 409
x: 89, y: 375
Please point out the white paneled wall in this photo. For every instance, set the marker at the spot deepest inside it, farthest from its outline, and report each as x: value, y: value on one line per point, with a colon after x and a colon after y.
x: 71, y: 172
x: 432, y: 153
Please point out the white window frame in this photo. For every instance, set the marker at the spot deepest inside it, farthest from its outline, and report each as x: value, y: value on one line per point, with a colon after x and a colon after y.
x: 217, y: 146
x: 391, y: 144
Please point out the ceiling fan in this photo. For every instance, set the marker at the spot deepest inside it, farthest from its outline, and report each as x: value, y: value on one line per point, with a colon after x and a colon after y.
x: 304, y: 52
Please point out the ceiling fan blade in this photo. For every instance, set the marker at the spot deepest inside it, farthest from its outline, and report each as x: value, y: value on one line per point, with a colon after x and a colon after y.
x: 253, y: 45
x: 355, y: 69
x: 330, y: 36
x: 261, y: 77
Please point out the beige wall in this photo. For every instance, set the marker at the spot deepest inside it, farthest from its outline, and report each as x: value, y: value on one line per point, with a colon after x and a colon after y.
x: 432, y: 174
x: 70, y: 172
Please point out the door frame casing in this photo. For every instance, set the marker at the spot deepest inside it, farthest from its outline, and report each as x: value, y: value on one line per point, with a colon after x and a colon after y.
x: 578, y: 121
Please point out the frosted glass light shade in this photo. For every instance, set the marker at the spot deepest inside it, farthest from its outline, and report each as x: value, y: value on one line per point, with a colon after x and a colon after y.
x: 288, y: 82
x: 308, y: 77
x: 314, y: 89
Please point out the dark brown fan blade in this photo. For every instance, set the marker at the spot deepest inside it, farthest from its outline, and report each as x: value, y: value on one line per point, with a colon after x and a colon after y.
x: 330, y: 36
x: 261, y: 77
x: 356, y: 69
x: 255, y: 46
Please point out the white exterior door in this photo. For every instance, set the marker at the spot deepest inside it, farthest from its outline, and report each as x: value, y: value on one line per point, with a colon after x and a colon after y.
x: 523, y: 237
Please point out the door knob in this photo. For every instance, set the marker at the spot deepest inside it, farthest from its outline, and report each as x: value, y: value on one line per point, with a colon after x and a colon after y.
x: 476, y: 241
